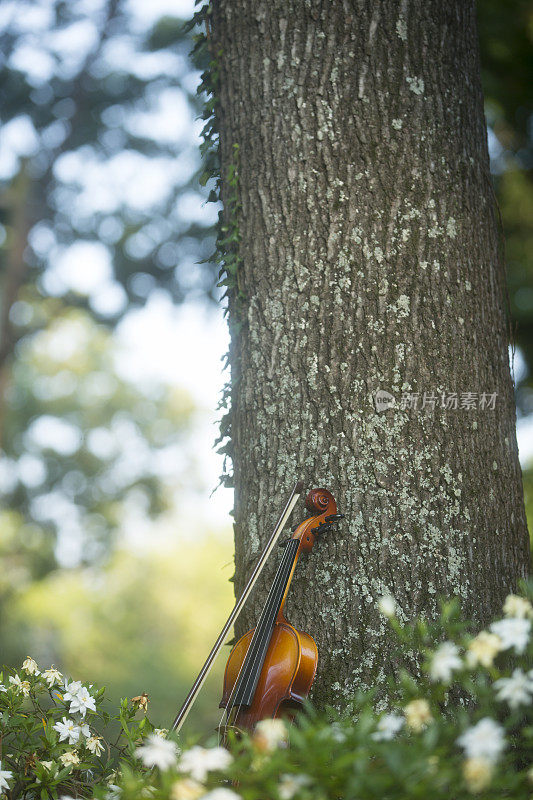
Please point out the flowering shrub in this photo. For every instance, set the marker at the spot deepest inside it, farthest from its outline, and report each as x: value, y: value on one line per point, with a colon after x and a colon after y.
x: 463, y: 727
x: 48, y: 734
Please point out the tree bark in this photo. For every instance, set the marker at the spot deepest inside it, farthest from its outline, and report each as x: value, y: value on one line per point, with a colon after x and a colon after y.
x: 370, y: 260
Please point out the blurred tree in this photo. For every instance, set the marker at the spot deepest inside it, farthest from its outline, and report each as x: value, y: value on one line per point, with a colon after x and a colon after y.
x: 506, y: 42
x: 84, y: 442
x: 99, y: 199
x: 99, y: 205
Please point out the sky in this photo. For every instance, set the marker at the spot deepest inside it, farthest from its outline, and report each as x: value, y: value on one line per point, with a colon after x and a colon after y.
x: 184, y: 345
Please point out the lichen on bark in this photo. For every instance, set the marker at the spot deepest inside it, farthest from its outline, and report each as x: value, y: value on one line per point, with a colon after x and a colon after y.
x: 369, y: 259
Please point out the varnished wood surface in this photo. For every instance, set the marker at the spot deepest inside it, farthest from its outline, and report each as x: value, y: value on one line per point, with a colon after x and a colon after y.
x: 290, y: 662
x: 288, y: 671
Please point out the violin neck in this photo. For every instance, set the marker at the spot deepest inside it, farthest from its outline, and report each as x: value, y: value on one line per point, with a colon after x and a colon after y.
x: 280, y: 587
x: 253, y: 663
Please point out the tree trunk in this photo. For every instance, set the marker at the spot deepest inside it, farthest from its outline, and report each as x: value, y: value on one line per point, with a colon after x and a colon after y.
x: 370, y: 260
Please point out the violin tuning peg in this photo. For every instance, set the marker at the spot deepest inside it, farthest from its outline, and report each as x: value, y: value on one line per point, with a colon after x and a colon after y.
x: 335, y: 517
x: 324, y: 527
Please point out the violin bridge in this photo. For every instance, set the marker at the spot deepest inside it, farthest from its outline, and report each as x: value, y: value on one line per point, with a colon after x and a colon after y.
x: 229, y: 725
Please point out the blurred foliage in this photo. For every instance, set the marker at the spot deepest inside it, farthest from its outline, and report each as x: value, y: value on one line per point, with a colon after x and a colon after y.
x: 84, y: 442
x: 515, y: 194
x: 506, y: 37
x: 100, y: 147
x: 144, y: 623
x: 99, y: 206
x: 527, y: 476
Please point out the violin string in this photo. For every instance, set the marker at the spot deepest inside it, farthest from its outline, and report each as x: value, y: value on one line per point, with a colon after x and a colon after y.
x: 229, y: 704
x: 266, y: 634
x: 251, y: 648
x: 266, y: 610
x: 264, y: 629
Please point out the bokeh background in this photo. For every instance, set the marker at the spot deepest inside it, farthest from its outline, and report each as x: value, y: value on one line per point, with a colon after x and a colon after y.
x: 115, y: 554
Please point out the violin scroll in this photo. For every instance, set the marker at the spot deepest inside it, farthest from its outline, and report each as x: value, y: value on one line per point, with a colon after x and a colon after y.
x: 322, y: 505
x: 320, y: 501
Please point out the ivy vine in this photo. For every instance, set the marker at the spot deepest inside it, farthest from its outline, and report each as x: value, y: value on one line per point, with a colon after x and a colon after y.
x: 228, y: 238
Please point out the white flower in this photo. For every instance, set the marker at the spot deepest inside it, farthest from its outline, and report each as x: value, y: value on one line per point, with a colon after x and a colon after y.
x: 484, y: 740
x: 513, y: 632
x: 5, y: 776
x: 387, y: 727
x: 67, y: 729
x: 516, y: 606
x: 335, y: 732
x: 52, y: 676
x: 443, y: 662
x: 2, y: 688
x: 483, y: 649
x: 221, y: 794
x: 163, y: 732
x: 198, y: 761
x: 477, y: 773
x: 269, y: 734
x: 30, y: 666
x: 22, y: 686
x: 70, y: 758
x: 289, y: 785
x: 417, y: 714
x: 387, y: 605
x: 71, y: 690
x: 93, y: 744
x: 517, y: 690
x: 47, y: 765
x: 186, y: 789
x: 157, y: 752
x: 81, y: 702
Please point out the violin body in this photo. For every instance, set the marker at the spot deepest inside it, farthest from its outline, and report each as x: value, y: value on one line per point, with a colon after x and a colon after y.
x: 288, y: 672
x: 271, y: 668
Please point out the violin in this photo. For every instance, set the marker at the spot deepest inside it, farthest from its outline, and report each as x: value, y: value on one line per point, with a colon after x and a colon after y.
x: 271, y: 668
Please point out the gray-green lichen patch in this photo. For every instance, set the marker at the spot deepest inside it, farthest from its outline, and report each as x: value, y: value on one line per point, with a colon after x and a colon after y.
x: 451, y: 228
x: 402, y: 306
x: 401, y: 28
x: 416, y: 85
